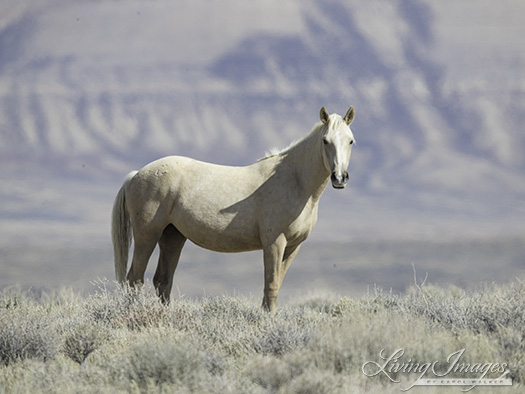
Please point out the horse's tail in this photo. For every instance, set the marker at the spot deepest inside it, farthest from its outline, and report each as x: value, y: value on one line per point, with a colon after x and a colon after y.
x: 121, y: 231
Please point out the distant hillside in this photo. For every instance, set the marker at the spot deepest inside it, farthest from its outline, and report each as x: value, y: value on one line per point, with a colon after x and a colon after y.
x: 95, y: 89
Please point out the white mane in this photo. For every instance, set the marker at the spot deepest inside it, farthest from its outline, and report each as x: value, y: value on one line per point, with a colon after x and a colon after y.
x: 278, y: 152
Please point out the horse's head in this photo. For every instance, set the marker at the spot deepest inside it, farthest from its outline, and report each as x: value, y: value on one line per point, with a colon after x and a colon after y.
x: 337, y: 145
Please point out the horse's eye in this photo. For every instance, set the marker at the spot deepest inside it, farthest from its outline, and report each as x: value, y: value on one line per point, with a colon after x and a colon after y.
x: 351, y: 142
x: 325, y: 141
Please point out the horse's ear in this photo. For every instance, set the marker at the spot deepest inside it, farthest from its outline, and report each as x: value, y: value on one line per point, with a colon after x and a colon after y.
x: 350, y: 115
x: 325, y: 116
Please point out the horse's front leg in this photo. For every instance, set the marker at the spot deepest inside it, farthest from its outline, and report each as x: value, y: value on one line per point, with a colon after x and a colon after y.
x: 273, y: 257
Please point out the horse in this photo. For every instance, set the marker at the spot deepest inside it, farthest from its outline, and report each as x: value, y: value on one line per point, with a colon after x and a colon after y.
x: 270, y: 205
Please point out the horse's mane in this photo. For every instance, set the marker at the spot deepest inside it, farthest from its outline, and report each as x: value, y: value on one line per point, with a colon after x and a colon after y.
x: 281, y: 152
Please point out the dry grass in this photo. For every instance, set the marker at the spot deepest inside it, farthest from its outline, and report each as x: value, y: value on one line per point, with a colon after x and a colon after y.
x: 126, y: 341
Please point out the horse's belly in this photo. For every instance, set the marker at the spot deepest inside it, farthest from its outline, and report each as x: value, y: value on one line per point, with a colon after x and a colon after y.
x: 226, y: 244
x: 219, y: 232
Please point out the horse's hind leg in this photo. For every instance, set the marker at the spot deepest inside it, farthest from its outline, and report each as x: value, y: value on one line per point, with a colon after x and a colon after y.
x: 170, y: 244
x: 144, y: 246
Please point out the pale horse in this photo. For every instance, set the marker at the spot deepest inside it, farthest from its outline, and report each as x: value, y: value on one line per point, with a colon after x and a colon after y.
x: 269, y: 205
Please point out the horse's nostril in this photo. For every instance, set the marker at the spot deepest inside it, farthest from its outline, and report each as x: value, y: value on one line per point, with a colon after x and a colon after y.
x: 339, y: 179
x: 336, y: 178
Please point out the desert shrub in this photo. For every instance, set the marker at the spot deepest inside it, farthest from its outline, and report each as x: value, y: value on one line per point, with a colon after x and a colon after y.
x: 184, y: 315
x: 131, y: 307
x: 10, y: 298
x: 493, y: 307
x: 125, y: 340
x: 231, y: 310
x: 269, y: 373
x: 316, y: 301
x: 241, y: 328
x: 26, y: 334
x: 316, y: 382
x: 82, y: 341
x: 280, y: 338
x: 292, y: 374
x: 491, y: 312
x: 433, y: 322
x: 158, y: 361
x: 481, y: 311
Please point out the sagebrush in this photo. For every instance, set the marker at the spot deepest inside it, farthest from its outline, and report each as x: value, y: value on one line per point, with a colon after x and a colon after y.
x: 125, y: 340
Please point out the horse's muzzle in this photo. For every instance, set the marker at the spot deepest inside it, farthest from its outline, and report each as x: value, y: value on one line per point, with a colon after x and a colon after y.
x: 339, y: 181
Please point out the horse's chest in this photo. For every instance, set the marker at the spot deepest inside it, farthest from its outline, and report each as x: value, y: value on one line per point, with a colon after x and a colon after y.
x: 301, y: 228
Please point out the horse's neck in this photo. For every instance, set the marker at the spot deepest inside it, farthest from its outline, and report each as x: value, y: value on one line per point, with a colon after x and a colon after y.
x: 307, y: 162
